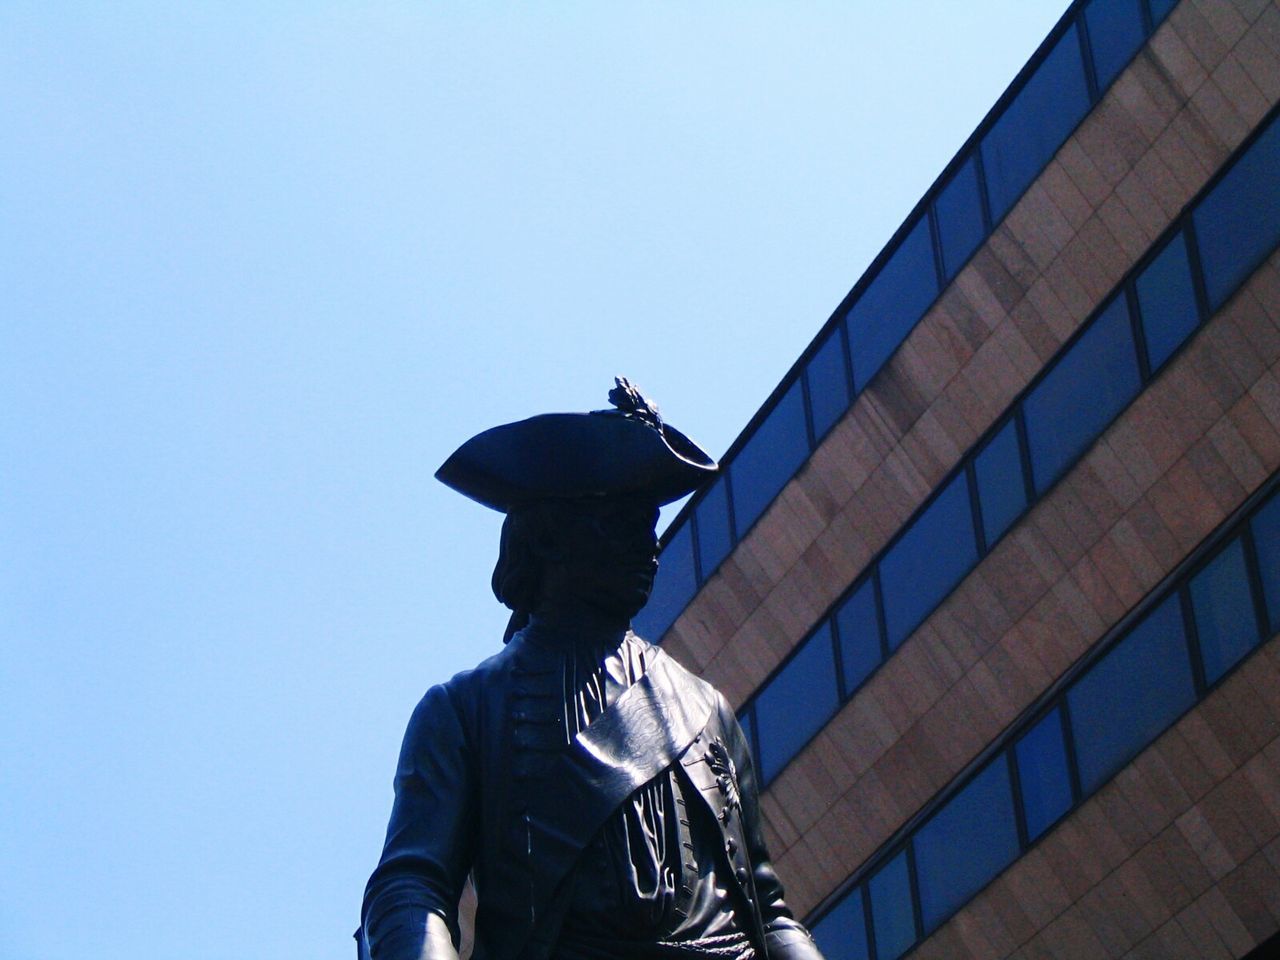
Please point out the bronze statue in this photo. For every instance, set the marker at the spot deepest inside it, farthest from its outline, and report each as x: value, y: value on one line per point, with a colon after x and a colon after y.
x: 601, y: 797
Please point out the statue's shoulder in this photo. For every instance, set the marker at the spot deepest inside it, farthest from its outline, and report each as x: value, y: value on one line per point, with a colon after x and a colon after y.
x: 499, y: 664
x: 680, y: 675
x: 470, y: 684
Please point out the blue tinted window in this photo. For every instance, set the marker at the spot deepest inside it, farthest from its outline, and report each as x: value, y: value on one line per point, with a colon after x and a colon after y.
x: 859, y: 633
x: 714, y: 542
x: 934, y: 553
x: 842, y: 933
x: 1238, y: 224
x: 966, y: 843
x: 673, y: 588
x: 1129, y: 696
x: 1266, y: 539
x: 1030, y: 131
x: 1167, y: 301
x: 891, y: 305
x: 1001, y: 492
x: 770, y: 458
x: 1043, y: 774
x: 795, y: 704
x: 1225, y: 622
x: 828, y: 383
x: 891, y: 914
x: 1115, y: 34
x: 1081, y: 394
x: 959, y: 212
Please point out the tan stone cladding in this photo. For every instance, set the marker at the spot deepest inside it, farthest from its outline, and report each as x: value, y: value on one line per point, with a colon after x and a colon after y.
x: 1209, y: 74
x: 1178, y: 856
x: 1164, y: 476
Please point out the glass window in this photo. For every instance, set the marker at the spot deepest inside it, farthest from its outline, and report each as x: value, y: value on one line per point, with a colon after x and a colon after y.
x: 1082, y: 393
x: 1115, y: 34
x: 828, y: 383
x: 1167, y: 301
x: 794, y: 705
x: 859, y: 632
x: 893, y: 302
x: 842, y: 933
x: 1129, y: 696
x: 1226, y: 625
x: 1043, y: 774
x: 673, y: 587
x: 1266, y: 539
x: 931, y: 557
x: 892, y: 916
x: 1238, y: 223
x: 770, y: 458
x: 1160, y: 9
x: 959, y: 212
x: 1001, y: 491
x: 1035, y: 124
x: 714, y: 541
x: 966, y: 843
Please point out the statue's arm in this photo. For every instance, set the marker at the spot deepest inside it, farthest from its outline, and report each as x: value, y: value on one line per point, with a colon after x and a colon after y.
x: 411, y: 901
x: 785, y: 937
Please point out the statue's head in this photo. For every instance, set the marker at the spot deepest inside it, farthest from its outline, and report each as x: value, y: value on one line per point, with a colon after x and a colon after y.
x: 581, y: 492
x: 569, y: 554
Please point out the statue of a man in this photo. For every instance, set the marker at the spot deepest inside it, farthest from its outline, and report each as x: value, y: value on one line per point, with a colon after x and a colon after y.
x: 601, y: 797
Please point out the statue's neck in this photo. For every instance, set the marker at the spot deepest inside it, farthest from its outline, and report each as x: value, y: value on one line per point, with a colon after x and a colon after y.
x: 574, y: 624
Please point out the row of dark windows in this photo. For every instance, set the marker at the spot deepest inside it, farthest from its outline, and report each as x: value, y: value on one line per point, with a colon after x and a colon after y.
x: 1203, y: 258
x: 1083, y: 55
x: 1184, y: 640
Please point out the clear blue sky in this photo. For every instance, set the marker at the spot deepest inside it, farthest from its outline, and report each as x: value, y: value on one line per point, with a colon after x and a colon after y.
x: 262, y: 267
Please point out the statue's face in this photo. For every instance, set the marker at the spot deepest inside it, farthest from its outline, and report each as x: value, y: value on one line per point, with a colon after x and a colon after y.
x: 603, y: 553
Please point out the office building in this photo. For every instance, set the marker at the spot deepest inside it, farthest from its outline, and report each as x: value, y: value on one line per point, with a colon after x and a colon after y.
x: 993, y: 577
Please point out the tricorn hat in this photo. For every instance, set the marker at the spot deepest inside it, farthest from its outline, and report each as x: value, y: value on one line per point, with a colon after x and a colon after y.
x: 627, y: 451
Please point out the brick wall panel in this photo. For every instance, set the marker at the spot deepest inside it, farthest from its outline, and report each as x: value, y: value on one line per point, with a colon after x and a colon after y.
x: 1133, y: 873
x: 1259, y: 63
x: 1177, y: 462
x: 1198, y: 33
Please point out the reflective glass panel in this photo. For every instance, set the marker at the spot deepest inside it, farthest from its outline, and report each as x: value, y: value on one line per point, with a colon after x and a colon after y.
x: 1167, y: 301
x: 770, y: 458
x: 1129, y: 696
x: 673, y: 587
x: 930, y: 558
x: 842, y: 933
x: 1226, y: 625
x: 859, y: 632
x: 1035, y: 124
x: 891, y: 912
x: 1115, y: 34
x: 893, y: 302
x: 794, y: 705
x: 828, y: 383
x: 966, y: 843
x: 1238, y: 224
x: 959, y: 212
x: 1266, y: 540
x: 1001, y: 492
x: 714, y: 541
x: 1043, y: 774
x: 1081, y: 394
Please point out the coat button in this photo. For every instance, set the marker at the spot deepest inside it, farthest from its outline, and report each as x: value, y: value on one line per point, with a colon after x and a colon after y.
x: 741, y: 874
x: 730, y: 846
